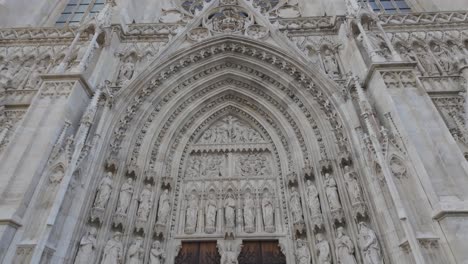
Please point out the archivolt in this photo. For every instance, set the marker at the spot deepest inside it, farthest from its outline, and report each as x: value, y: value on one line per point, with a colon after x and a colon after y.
x: 295, y: 86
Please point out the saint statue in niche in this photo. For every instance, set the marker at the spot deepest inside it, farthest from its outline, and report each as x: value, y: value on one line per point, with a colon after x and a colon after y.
x: 157, y: 253
x: 210, y: 213
x: 249, y: 213
x: 332, y: 192
x: 230, y: 210
x: 125, y: 196
x: 295, y: 205
x: 313, y: 199
x: 302, y: 252
x: 267, y: 210
x: 344, y: 247
x: 145, y: 203
x: 353, y: 186
x: 135, y: 252
x: 104, y: 191
x: 86, y: 249
x: 369, y: 245
x: 113, y: 250
x: 191, y: 214
x: 164, y: 208
x: 323, y: 250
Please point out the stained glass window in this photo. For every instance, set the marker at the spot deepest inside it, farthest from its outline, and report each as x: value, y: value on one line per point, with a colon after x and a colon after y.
x: 389, y: 6
x: 77, y: 10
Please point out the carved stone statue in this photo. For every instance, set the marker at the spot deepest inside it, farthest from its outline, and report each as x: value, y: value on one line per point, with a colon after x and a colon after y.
x: 249, y: 213
x: 230, y: 210
x: 34, y: 78
x: 86, y: 249
x: 113, y: 250
x: 192, y: 214
x: 156, y: 253
x: 164, y: 208
x: 330, y: 63
x: 104, y: 191
x: 354, y: 189
x: 126, y: 71
x: 443, y: 55
x: 135, y: 252
x: 145, y: 203
x: 210, y: 213
x: 323, y: 250
x: 267, y: 210
x: 344, y: 248
x: 302, y: 252
x: 427, y: 62
x: 125, y: 196
x: 313, y: 199
x: 332, y: 192
x: 193, y: 170
x: 295, y: 205
x: 369, y: 245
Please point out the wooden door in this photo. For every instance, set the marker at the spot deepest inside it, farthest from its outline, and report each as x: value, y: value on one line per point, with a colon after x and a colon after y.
x: 198, y: 253
x: 261, y: 252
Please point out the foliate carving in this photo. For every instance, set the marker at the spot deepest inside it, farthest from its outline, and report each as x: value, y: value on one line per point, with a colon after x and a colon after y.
x: 426, y: 18
x: 113, y: 251
x: 86, y: 248
x: 369, y: 245
x: 344, y: 247
x: 302, y: 252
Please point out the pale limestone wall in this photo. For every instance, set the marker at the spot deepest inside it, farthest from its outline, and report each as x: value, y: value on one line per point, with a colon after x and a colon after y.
x: 307, y: 98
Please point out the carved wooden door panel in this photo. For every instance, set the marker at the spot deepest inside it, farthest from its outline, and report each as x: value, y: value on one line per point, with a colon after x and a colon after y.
x: 198, y: 253
x: 261, y: 252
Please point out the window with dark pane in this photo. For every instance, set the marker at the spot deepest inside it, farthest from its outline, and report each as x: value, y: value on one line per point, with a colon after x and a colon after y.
x: 389, y: 6
x: 77, y: 10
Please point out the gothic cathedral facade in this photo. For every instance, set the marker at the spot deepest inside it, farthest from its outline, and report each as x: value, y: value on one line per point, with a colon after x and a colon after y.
x: 233, y: 131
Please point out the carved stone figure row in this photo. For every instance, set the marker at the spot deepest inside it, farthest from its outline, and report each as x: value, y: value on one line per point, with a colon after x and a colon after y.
x: 206, y: 166
x: 229, y: 206
x: 18, y: 74
x: 255, y: 164
x: 230, y: 130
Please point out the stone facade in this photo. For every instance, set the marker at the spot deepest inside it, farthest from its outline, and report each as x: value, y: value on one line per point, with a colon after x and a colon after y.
x: 335, y: 131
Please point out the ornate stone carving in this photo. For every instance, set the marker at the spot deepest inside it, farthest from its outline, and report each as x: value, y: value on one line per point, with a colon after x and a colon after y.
x: 302, y: 252
x: 268, y: 212
x: 191, y: 215
x: 126, y: 72
x: 157, y: 253
x: 163, y: 208
x: 323, y: 249
x: 249, y: 213
x: 295, y: 206
x: 135, y: 253
x: 211, y: 209
x: 230, y: 211
x: 333, y: 198
x: 253, y: 165
x: 104, y: 191
x: 229, y: 252
x: 113, y: 250
x: 369, y: 245
x: 145, y: 203
x: 313, y: 204
x: 126, y: 192
x: 344, y: 247
x: 86, y: 248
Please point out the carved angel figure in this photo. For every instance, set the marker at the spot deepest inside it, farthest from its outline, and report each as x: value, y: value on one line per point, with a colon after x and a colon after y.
x: 344, y: 248
x: 125, y: 196
x: 249, y: 213
x: 104, y: 191
x: 164, y: 208
x: 210, y: 213
x: 332, y: 192
x: 135, y: 252
x: 323, y: 250
x: 230, y: 210
x: 295, y: 204
x: 191, y: 214
x: 156, y: 253
x: 369, y: 245
x: 113, y: 250
x: 145, y: 203
x: 87, y: 246
x: 267, y: 210
x: 313, y: 199
x: 302, y: 252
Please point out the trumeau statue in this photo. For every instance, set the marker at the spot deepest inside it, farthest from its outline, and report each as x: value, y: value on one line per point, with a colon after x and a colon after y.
x: 249, y: 213
x: 145, y: 203
x: 157, y: 253
x: 135, y: 252
x: 295, y: 206
x: 230, y: 210
x: 354, y: 189
x: 344, y: 248
x: 191, y: 214
x: 332, y: 192
x: 164, y: 208
x: 125, y: 196
x: 229, y: 254
x: 313, y: 199
x: 369, y: 245
x: 113, y: 250
x: 302, y: 252
x: 210, y: 213
x: 323, y: 250
x: 104, y: 191
x: 267, y: 211
x: 86, y: 249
